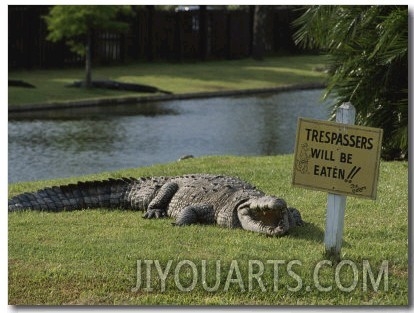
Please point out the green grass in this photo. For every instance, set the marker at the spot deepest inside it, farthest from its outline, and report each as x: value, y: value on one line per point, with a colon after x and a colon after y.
x: 175, y: 77
x: 90, y: 257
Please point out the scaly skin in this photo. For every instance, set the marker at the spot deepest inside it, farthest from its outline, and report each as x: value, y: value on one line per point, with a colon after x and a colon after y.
x: 189, y: 199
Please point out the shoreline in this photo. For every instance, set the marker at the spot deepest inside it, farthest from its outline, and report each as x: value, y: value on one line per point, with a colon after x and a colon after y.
x: 156, y: 98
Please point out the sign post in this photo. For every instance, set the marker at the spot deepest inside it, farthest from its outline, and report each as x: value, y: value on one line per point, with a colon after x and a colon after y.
x: 335, y: 214
x: 341, y: 159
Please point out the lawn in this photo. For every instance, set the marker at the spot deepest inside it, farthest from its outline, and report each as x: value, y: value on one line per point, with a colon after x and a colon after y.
x: 116, y: 257
x: 174, y: 77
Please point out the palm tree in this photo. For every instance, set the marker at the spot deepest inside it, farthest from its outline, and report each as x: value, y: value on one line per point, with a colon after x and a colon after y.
x: 368, y: 46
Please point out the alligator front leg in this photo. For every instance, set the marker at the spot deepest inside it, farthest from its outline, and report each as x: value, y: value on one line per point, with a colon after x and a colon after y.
x: 199, y: 213
x: 158, y: 206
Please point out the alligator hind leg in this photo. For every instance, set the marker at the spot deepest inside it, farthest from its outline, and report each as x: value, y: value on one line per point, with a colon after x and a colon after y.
x: 158, y: 206
x: 192, y: 214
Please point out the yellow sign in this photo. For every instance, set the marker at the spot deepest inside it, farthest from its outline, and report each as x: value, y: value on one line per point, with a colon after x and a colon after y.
x: 337, y: 158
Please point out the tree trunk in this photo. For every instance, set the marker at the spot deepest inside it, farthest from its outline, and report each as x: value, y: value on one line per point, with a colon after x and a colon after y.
x: 178, y: 51
x: 258, y: 48
x: 203, y: 33
x: 88, y: 60
x: 151, y: 26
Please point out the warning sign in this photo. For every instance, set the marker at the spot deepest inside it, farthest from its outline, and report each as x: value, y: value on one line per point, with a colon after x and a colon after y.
x: 338, y: 158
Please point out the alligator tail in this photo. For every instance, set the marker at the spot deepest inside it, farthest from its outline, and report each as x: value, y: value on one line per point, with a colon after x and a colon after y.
x: 111, y: 193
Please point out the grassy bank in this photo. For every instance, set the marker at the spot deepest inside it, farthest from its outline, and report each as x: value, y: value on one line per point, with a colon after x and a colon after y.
x: 176, y: 78
x: 91, y: 257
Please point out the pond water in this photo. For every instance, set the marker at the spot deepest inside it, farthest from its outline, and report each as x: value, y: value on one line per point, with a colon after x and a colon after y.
x: 76, y: 142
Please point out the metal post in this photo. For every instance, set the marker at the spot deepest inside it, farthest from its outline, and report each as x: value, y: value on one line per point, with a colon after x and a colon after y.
x: 335, y: 214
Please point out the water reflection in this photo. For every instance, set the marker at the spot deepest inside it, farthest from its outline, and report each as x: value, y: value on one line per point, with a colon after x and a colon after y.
x: 79, y: 142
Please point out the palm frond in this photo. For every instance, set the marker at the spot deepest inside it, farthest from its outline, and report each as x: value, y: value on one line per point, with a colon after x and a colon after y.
x: 369, y: 67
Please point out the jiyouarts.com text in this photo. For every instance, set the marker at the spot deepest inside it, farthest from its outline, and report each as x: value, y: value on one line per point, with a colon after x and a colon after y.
x: 260, y: 275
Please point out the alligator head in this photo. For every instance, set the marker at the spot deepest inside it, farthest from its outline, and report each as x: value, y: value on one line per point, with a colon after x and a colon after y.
x: 268, y: 215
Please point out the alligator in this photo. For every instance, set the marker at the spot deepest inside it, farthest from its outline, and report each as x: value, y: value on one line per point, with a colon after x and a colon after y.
x: 189, y: 199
